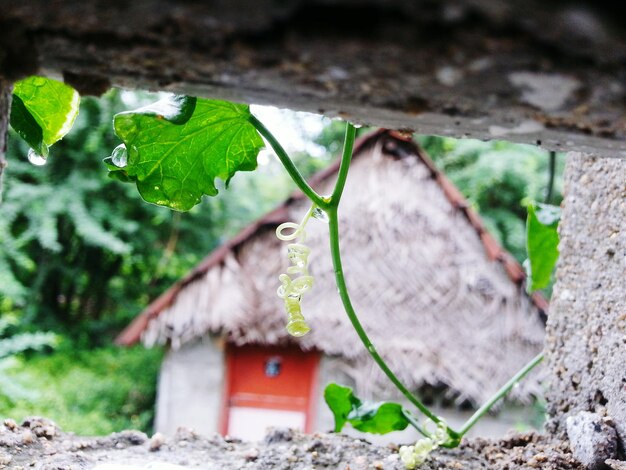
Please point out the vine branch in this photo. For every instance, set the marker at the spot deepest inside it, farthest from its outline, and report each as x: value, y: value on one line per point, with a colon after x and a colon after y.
x: 341, y: 282
x: 506, y: 388
x: 346, y: 158
x: 295, y: 175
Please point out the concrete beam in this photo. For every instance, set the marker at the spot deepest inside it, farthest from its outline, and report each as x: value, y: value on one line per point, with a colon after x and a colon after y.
x: 551, y: 75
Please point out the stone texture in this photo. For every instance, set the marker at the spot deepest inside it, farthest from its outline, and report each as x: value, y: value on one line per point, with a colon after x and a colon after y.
x: 529, y: 71
x: 592, y: 439
x: 616, y: 464
x: 586, y: 330
x: 5, y: 109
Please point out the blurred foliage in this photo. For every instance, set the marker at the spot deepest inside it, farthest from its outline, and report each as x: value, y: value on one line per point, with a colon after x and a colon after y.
x: 332, y: 135
x: 11, y: 344
x: 499, y: 179
x: 88, y: 392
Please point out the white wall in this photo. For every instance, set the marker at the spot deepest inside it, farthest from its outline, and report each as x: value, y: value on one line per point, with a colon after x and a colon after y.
x: 190, y: 388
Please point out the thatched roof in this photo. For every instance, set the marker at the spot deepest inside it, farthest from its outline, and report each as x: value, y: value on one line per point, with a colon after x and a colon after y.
x: 442, y: 301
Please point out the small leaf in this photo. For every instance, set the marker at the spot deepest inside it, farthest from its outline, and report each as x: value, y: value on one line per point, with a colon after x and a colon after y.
x: 340, y: 400
x: 176, y: 148
x: 378, y: 418
x: 51, y: 104
x: 375, y: 418
x: 542, y: 241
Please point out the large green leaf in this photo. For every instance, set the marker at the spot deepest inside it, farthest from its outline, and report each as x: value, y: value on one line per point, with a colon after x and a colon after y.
x: 43, y: 111
x: 542, y: 241
x: 375, y: 418
x: 177, y: 147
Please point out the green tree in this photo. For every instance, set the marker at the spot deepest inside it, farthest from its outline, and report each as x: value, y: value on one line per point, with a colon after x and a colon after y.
x: 499, y: 179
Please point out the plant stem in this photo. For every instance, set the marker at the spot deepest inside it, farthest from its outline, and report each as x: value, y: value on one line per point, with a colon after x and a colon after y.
x: 347, y: 304
x: 506, y: 388
x: 288, y: 164
x: 344, y: 166
x: 413, y: 422
x: 340, y: 280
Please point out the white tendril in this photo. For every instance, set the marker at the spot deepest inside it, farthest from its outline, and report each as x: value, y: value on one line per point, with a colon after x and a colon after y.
x: 292, y: 289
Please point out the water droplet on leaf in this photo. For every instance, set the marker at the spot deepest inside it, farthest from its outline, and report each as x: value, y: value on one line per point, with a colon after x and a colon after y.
x: 356, y: 126
x: 35, y: 158
x: 320, y: 214
x: 119, y: 156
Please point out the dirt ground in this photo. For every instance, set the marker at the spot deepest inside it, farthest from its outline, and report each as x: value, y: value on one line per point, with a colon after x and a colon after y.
x: 39, y: 444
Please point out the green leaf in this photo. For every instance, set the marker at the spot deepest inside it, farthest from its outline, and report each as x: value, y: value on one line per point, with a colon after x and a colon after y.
x: 340, y: 400
x: 177, y: 147
x: 542, y: 241
x: 44, y: 110
x: 378, y: 418
x: 375, y: 418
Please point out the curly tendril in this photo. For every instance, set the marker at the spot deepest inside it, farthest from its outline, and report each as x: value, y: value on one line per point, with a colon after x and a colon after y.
x: 292, y: 289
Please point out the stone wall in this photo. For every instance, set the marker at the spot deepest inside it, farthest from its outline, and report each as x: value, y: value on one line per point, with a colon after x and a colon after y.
x: 5, y: 107
x: 586, y: 332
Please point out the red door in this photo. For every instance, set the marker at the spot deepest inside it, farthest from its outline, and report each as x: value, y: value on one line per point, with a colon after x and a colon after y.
x: 268, y: 386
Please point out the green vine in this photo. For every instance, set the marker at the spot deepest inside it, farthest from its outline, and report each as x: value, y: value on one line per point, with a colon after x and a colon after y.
x: 330, y: 207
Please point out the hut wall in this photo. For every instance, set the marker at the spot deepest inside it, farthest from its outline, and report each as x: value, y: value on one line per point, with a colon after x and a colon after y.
x: 190, y: 387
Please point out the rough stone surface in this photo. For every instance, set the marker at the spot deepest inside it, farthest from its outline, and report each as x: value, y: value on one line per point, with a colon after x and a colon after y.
x: 5, y: 108
x: 282, y: 449
x: 592, y: 439
x: 586, y: 330
x: 547, y: 73
x: 616, y: 464
x: 40, y: 427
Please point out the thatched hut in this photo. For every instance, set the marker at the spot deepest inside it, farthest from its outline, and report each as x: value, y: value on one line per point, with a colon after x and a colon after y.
x: 443, y: 302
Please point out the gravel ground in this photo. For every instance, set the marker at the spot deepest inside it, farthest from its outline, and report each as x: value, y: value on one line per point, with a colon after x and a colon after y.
x: 39, y: 444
